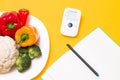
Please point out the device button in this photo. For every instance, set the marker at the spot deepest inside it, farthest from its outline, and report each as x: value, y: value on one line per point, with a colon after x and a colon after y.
x: 70, y: 25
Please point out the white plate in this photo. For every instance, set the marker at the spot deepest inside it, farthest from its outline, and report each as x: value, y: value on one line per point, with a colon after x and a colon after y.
x: 37, y: 64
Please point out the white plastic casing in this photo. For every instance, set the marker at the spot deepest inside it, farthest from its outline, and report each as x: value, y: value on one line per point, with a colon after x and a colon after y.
x: 70, y: 22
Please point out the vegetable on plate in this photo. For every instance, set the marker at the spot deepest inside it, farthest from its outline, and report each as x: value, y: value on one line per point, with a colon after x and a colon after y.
x: 13, y: 27
x: 23, y: 50
x: 23, y: 15
x: 23, y: 62
x: 9, y: 23
x: 26, y: 54
x: 26, y: 36
x: 34, y: 51
x: 8, y: 54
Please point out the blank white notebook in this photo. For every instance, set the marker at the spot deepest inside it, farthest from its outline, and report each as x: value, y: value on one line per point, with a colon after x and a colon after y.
x: 100, y: 51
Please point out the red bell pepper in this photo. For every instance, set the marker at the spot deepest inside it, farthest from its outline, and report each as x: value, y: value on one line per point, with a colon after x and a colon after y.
x: 23, y: 15
x: 9, y: 23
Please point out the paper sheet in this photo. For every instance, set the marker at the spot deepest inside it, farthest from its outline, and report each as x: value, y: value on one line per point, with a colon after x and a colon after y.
x: 100, y: 51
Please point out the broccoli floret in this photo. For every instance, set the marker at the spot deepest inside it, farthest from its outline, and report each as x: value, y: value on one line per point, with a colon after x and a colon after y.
x: 23, y: 62
x: 23, y: 50
x: 34, y: 51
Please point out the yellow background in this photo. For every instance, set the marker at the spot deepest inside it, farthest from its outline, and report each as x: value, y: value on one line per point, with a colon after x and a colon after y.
x: 102, y: 13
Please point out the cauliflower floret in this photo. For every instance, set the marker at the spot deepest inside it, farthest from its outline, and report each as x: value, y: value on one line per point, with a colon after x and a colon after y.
x: 8, y: 53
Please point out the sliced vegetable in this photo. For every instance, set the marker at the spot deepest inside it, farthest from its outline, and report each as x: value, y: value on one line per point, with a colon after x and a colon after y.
x: 23, y: 62
x: 26, y: 36
x: 34, y: 51
x: 9, y: 23
x: 23, y: 15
